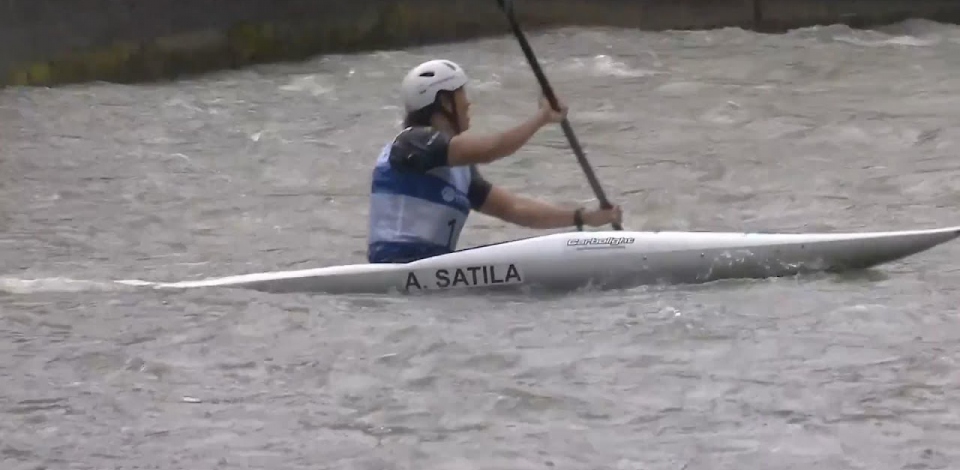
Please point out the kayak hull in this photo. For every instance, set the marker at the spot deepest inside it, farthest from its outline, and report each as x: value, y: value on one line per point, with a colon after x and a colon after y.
x: 606, y: 259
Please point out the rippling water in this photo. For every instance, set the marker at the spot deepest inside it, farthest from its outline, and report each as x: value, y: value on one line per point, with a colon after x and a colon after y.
x: 267, y: 169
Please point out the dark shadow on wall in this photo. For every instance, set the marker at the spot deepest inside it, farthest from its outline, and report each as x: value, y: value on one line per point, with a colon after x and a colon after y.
x: 49, y: 42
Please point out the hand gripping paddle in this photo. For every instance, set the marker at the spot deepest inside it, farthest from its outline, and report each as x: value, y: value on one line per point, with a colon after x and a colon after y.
x: 507, y: 7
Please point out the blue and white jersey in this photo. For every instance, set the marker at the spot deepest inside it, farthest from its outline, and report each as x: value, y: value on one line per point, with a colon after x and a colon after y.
x: 419, y: 204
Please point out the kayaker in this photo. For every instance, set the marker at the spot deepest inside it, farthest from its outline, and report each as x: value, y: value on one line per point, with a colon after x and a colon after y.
x: 426, y: 182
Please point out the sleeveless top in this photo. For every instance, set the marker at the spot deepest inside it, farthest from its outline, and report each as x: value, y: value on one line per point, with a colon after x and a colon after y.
x: 416, y: 214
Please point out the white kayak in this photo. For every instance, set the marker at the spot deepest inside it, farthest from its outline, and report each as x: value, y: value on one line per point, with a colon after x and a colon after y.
x: 606, y: 259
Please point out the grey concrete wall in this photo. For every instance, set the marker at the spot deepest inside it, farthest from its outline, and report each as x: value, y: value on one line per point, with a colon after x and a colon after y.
x: 45, y: 42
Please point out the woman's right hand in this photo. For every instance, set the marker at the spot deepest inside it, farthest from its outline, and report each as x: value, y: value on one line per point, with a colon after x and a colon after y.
x: 548, y: 114
x: 598, y: 217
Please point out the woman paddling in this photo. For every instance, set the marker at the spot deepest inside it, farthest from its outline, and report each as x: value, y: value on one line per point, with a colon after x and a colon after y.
x: 425, y: 182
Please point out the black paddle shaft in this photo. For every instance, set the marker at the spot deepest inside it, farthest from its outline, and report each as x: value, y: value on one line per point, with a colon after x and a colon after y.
x: 507, y: 7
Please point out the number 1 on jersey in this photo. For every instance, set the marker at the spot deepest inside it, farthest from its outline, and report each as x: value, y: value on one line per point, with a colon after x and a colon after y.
x: 453, y: 225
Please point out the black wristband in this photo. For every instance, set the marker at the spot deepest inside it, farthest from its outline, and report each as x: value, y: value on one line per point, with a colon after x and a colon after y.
x: 578, y: 218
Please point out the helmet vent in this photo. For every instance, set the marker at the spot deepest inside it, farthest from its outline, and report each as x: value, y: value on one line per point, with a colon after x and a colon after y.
x: 448, y: 64
x: 426, y: 74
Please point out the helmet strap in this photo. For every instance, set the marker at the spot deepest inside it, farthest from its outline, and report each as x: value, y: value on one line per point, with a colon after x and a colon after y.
x: 452, y: 116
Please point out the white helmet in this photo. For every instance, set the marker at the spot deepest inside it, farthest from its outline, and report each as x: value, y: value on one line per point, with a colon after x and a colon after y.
x: 420, y: 86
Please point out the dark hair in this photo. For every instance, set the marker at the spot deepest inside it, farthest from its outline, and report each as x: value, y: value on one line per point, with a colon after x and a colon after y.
x: 421, y: 117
